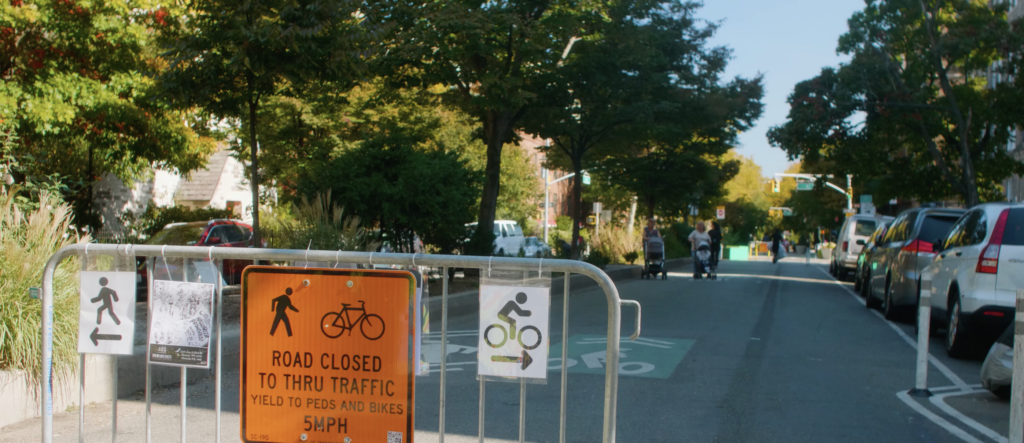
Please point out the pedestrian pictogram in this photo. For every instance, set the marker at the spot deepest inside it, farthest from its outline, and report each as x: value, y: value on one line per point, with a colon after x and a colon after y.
x: 334, y: 324
x: 107, y: 298
x: 328, y: 370
x: 281, y: 305
x: 106, y: 321
x: 513, y: 326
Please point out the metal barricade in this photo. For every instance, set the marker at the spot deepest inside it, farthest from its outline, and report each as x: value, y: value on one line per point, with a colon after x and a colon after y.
x: 568, y: 267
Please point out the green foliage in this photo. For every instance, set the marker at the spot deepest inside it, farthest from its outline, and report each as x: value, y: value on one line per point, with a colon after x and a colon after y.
x: 615, y: 243
x: 563, y: 223
x: 76, y: 92
x: 631, y: 256
x: 401, y: 190
x: 676, y: 243
x: 231, y: 56
x: 598, y: 258
x: 27, y: 241
x: 744, y: 218
x: 933, y: 125
x: 316, y: 225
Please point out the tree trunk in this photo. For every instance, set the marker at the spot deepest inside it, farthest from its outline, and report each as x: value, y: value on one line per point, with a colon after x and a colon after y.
x: 649, y: 201
x: 577, y: 209
x: 632, y: 215
x: 492, y: 184
x: 254, y: 173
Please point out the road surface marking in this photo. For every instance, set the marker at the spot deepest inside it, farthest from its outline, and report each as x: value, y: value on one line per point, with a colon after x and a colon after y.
x: 940, y: 402
x: 953, y: 429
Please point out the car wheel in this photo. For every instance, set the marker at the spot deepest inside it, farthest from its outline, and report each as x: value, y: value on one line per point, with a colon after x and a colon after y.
x: 832, y: 268
x: 856, y: 282
x: 891, y: 312
x: 869, y: 298
x: 501, y: 252
x: 958, y: 343
x: 1003, y: 392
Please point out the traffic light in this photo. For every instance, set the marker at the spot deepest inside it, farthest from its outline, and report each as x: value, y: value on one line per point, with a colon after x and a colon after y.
x: 775, y: 186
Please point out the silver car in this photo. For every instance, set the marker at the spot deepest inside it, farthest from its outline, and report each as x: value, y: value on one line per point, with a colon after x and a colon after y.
x: 997, y: 371
x: 892, y: 274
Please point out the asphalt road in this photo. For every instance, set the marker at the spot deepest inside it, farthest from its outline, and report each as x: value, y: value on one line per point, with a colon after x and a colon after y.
x: 768, y: 353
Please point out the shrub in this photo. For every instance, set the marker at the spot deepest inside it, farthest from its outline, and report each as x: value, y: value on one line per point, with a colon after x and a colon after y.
x: 316, y: 225
x: 615, y: 243
x: 597, y: 258
x: 631, y: 256
x: 27, y: 240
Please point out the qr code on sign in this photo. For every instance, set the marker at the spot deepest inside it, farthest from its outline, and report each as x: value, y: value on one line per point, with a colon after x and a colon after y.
x: 394, y: 437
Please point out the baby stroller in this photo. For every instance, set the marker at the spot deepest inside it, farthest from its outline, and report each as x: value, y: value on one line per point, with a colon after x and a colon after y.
x: 654, y: 259
x: 704, y: 265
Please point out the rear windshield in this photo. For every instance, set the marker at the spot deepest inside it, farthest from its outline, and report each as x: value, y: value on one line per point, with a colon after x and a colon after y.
x: 177, y: 236
x: 935, y: 227
x: 1014, y: 233
x: 864, y: 228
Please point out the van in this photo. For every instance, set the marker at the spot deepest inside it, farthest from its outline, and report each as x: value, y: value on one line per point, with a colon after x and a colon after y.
x: 508, y: 236
x: 854, y: 234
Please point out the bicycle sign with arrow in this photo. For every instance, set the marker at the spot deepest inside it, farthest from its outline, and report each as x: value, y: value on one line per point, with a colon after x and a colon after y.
x: 513, y: 326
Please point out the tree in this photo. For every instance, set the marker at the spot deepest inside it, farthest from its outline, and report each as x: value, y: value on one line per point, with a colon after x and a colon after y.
x: 230, y: 56
x: 387, y: 182
x: 933, y: 124
x: 642, y: 83
x: 77, y: 99
x: 494, y: 55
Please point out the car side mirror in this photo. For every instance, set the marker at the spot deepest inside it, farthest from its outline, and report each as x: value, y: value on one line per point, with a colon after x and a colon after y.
x: 937, y: 245
x: 213, y: 241
x: 861, y: 242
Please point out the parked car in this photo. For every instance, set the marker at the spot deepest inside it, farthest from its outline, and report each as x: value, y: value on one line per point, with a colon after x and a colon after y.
x: 855, y: 231
x: 508, y: 236
x: 218, y: 233
x: 864, y: 257
x: 892, y: 274
x: 997, y: 370
x: 975, y: 275
x: 534, y: 247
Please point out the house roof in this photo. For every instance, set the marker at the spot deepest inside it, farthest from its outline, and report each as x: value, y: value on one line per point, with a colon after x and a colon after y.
x: 203, y: 183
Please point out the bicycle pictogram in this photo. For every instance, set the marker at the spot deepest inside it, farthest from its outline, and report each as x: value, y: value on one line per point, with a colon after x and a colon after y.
x: 509, y: 308
x: 333, y: 324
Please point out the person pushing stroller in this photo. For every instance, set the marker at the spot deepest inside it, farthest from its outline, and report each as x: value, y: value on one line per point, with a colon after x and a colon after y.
x: 697, y: 237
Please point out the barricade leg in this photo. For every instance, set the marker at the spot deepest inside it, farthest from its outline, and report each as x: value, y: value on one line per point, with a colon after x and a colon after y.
x: 483, y: 386
x: 113, y: 403
x: 149, y: 375
x: 565, y: 357
x: 81, y: 398
x: 184, y: 383
x: 444, y: 351
x: 220, y: 345
x: 522, y: 410
x: 1017, y: 387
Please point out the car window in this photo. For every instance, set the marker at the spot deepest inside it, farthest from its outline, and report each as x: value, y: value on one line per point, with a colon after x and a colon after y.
x: 246, y: 233
x: 234, y: 234
x: 518, y: 230
x: 864, y: 227
x: 891, y: 233
x: 980, y: 230
x: 177, y: 236
x: 936, y: 226
x: 1013, y: 233
x: 953, y: 237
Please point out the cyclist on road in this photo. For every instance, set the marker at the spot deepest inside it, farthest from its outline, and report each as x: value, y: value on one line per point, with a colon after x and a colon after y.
x: 510, y: 307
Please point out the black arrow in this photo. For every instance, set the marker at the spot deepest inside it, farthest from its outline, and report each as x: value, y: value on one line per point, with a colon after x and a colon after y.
x: 525, y: 359
x: 96, y: 337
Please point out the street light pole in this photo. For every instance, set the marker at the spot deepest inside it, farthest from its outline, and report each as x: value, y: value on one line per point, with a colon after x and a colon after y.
x: 544, y: 174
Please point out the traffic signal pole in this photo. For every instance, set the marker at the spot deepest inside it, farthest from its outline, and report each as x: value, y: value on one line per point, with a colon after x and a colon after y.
x: 848, y: 192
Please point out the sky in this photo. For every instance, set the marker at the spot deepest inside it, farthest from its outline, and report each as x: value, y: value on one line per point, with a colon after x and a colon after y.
x: 788, y: 41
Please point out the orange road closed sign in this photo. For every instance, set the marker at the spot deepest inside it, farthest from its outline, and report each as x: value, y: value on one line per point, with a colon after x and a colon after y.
x: 327, y: 355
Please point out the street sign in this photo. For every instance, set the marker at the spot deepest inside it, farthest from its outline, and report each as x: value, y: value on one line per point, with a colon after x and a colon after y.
x: 597, y: 207
x: 513, y: 331
x: 787, y: 212
x: 865, y: 198
x: 850, y: 212
x: 106, y: 321
x: 182, y: 313
x: 586, y: 178
x: 805, y: 186
x: 327, y: 355
x: 720, y: 213
x: 648, y: 357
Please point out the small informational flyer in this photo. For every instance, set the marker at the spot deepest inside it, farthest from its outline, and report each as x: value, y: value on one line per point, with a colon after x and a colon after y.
x: 181, y: 322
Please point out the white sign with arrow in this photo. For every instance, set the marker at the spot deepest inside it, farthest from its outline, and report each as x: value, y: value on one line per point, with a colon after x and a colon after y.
x: 513, y: 331
x: 106, y: 321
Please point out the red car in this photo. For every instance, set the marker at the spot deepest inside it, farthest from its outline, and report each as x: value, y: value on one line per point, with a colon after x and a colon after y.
x: 217, y: 233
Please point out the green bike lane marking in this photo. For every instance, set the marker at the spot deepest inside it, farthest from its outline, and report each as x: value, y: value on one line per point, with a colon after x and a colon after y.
x: 649, y: 357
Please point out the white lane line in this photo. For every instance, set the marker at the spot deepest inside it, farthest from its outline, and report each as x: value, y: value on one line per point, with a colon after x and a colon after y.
x: 953, y: 429
x: 940, y: 402
x: 959, y: 382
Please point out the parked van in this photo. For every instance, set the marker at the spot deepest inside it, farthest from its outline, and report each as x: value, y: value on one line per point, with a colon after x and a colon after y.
x: 508, y: 236
x: 854, y: 234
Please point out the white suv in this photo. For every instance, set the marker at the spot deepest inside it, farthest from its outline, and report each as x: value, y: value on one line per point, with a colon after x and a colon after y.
x: 508, y: 237
x: 975, y: 275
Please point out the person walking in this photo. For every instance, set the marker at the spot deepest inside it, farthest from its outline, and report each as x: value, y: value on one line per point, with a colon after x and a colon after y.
x: 650, y: 231
x: 698, y: 235
x: 776, y: 244
x: 716, y: 243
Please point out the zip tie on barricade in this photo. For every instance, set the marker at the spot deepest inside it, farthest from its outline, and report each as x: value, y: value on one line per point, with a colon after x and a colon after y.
x: 489, y: 265
x: 209, y: 254
x: 336, y: 254
x: 371, y: 259
x: 414, y: 260
x: 87, y: 249
x: 540, y: 268
x: 126, y: 247
x: 305, y: 258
